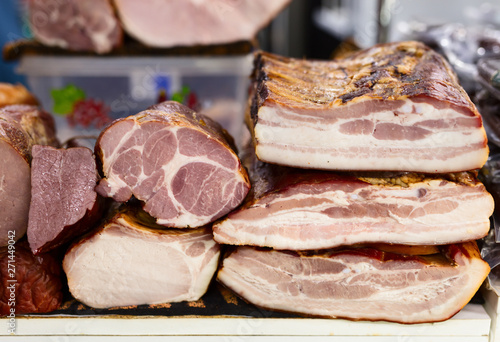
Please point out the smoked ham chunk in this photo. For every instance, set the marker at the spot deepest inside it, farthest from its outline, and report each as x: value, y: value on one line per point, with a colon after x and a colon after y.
x: 358, y: 283
x: 392, y: 107
x: 12, y: 94
x: 168, y: 23
x: 131, y: 261
x: 178, y: 162
x: 89, y: 25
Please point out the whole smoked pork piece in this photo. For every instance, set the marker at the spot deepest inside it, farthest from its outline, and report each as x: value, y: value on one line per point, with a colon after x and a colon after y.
x: 169, y: 23
x: 64, y: 203
x: 37, y: 281
x: 304, y: 209
x: 178, y: 162
x: 358, y: 283
x: 89, y: 25
x: 392, y: 107
x: 12, y: 94
x: 132, y: 261
x: 21, y: 127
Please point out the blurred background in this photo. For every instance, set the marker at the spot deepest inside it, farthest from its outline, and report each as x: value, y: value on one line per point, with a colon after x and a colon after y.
x: 108, y: 86
x: 315, y: 28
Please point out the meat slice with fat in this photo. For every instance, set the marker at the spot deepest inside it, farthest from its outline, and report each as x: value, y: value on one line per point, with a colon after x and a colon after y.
x: 21, y: 127
x: 392, y: 107
x: 64, y: 203
x: 305, y: 209
x: 358, y: 283
x: 178, y: 162
x: 131, y: 261
x: 89, y: 25
x: 168, y: 23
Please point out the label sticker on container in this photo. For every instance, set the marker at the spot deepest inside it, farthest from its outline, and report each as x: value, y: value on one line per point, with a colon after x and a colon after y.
x: 149, y: 84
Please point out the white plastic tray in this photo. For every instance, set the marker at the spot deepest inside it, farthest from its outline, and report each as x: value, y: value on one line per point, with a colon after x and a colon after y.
x: 471, y: 324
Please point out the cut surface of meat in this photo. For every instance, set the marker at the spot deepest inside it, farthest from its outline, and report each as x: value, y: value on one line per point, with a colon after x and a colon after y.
x: 35, y: 284
x: 21, y: 127
x: 392, y: 107
x: 358, y: 284
x: 89, y: 25
x: 178, y: 162
x: 64, y: 203
x: 303, y: 209
x: 130, y: 261
x: 168, y: 23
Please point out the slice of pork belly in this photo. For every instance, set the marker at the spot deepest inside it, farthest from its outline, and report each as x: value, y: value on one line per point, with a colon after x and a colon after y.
x: 305, y: 209
x: 392, y: 107
x: 64, y: 203
x: 89, y: 25
x: 168, y: 23
x: 358, y: 284
x: 131, y: 261
x: 178, y: 162
x: 21, y: 127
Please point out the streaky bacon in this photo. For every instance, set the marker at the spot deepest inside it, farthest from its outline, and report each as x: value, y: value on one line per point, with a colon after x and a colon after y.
x: 305, y: 209
x: 392, y: 107
x: 357, y: 283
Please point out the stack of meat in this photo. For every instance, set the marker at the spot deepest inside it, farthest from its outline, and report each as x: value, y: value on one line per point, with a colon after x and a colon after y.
x: 28, y: 283
x: 384, y: 227
x: 181, y: 167
x: 178, y: 165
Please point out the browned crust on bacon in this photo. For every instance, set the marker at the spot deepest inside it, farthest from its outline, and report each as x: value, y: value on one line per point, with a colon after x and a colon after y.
x: 392, y: 71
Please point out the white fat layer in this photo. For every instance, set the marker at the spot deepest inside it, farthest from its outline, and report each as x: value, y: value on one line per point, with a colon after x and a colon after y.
x: 466, y: 215
x: 417, y: 300
x: 413, y: 161
x: 185, y: 218
x: 326, y: 147
x: 113, y: 269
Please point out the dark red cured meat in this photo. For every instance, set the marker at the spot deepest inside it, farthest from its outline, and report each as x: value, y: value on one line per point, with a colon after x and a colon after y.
x: 64, y: 203
x: 38, y: 282
x: 21, y: 127
x: 179, y: 163
x: 357, y: 283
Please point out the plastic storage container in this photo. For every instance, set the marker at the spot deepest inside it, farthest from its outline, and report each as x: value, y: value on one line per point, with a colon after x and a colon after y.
x: 85, y: 93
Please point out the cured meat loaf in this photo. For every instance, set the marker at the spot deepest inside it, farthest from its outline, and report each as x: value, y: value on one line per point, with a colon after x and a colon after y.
x: 131, y: 261
x: 178, y: 162
x: 392, y: 107
x: 64, y: 204
x: 21, y: 127
x: 305, y: 209
x: 358, y: 283
x: 77, y: 25
x: 168, y: 23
